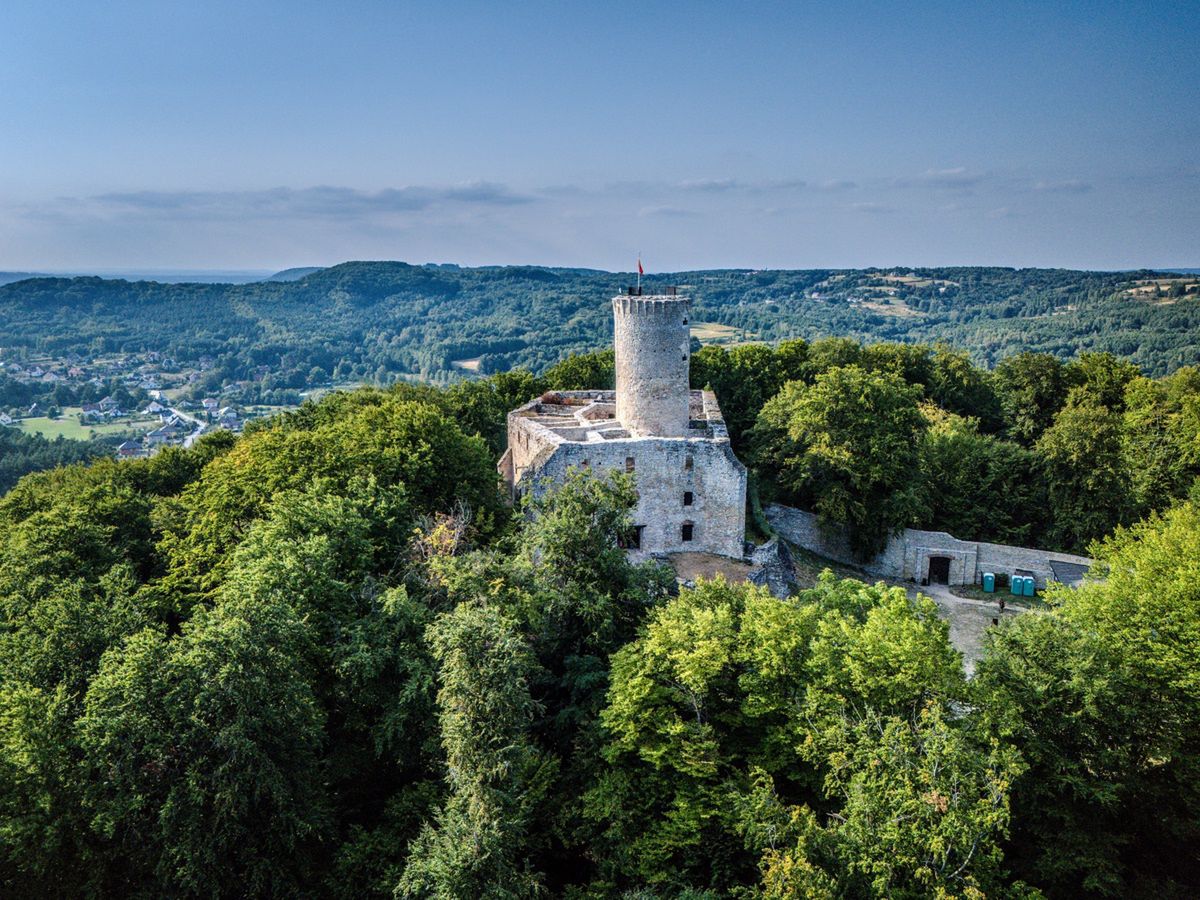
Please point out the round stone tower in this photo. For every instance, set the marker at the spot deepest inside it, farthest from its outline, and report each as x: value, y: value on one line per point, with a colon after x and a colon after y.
x: 651, y: 339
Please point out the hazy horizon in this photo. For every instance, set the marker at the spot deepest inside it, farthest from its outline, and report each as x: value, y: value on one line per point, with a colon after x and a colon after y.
x: 181, y: 275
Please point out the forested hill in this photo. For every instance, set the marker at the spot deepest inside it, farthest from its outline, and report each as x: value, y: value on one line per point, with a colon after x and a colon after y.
x: 360, y: 320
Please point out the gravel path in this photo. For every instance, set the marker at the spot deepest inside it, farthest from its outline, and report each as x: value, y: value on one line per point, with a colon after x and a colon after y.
x: 969, y: 619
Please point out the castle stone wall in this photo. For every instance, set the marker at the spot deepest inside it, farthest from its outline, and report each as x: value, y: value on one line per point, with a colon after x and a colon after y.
x: 715, y: 479
x: 907, y: 554
x: 691, y: 487
x: 544, y: 444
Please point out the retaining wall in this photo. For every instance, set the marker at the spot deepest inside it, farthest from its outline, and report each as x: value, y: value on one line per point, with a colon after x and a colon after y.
x: 907, y: 554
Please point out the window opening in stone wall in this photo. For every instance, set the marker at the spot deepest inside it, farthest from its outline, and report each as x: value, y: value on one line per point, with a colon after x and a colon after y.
x: 687, y: 498
x: 631, y: 539
x: 584, y: 464
x: 688, y: 463
x: 686, y: 531
x: 629, y: 464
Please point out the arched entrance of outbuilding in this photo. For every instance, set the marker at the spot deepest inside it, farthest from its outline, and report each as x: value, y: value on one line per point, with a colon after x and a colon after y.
x: 939, y: 570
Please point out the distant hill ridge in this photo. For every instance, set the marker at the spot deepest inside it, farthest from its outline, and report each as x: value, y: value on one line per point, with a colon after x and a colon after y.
x: 10, y: 277
x: 294, y: 274
x: 369, y: 320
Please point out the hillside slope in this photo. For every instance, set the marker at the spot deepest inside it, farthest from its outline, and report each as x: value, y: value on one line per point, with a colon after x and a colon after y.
x: 356, y: 318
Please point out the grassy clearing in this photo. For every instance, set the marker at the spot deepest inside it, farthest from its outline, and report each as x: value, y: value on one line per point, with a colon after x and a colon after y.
x: 470, y: 365
x: 898, y: 310
x: 71, y: 429
x: 1153, y: 289
x: 976, y: 592
x: 68, y: 426
x: 716, y: 333
x: 917, y: 281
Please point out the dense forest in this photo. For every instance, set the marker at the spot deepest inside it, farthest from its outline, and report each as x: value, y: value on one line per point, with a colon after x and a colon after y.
x: 22, y: 453
x: 376, y: 322
x: 324, y: 659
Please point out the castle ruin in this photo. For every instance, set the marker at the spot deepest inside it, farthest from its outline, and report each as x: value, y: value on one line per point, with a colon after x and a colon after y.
x: 691, y: 488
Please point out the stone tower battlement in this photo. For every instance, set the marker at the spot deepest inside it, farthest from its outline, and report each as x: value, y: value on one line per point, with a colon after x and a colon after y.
x: 651, y: 340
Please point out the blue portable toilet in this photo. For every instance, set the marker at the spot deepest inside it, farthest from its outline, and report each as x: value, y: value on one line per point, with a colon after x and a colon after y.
x: 1030, y: 585
x: 989, y: 582
x: 1016, y: 585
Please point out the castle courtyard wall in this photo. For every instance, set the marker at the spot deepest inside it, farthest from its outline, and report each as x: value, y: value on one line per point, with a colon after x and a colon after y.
x: 907, y: 555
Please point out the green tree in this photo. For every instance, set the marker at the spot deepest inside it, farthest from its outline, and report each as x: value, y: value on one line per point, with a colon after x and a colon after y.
x: 1102, y: 377
x: 912, y: 362
x: 958, y: 386
x: 1101, y: 698
x: 1087, y: 482
x: 979, y: 487
x: 921, y: 811
x: 726, y: 678
x: 1032, y: 388
x: 583, y: 372
x: 480, y: 843
x: 743, y: 379
x: 1160, y: 438
x: 482, y: 407
x: 205, y: 755
x: 847, y: 447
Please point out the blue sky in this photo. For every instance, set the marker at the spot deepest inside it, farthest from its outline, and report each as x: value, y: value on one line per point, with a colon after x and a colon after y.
x: 265, y: 135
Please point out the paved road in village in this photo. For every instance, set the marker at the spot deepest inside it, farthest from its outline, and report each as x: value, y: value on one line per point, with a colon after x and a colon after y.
x: 191, y: 438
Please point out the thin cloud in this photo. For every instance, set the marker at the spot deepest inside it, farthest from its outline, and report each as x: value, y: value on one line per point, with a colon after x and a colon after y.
x: 1069, y: 186
x: 670, y: 212
x: 958, y: 177
x: 710, y: 185
x: 322, y: 202
x: 717, y: 186
x: 872, y: 208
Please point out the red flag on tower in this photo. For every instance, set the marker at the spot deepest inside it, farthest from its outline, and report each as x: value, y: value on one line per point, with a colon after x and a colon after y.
x: 641, y: 271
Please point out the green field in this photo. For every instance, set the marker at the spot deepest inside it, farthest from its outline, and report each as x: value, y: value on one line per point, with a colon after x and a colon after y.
x: 68, y: 426
x: 716, y: 333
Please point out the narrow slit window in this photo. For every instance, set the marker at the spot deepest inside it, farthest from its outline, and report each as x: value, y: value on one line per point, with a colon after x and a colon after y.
x: 687, y: 498
x: 687, y: 531
x: 688, y: 463
x: 629, y: 464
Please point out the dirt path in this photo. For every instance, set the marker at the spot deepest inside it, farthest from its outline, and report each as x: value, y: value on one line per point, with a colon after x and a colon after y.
x: 969, y: 619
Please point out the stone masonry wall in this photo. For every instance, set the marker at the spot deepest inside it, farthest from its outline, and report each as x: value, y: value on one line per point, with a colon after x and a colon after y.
x: 716, y: 480
x: 651, y: 343
x: 907, y: 555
